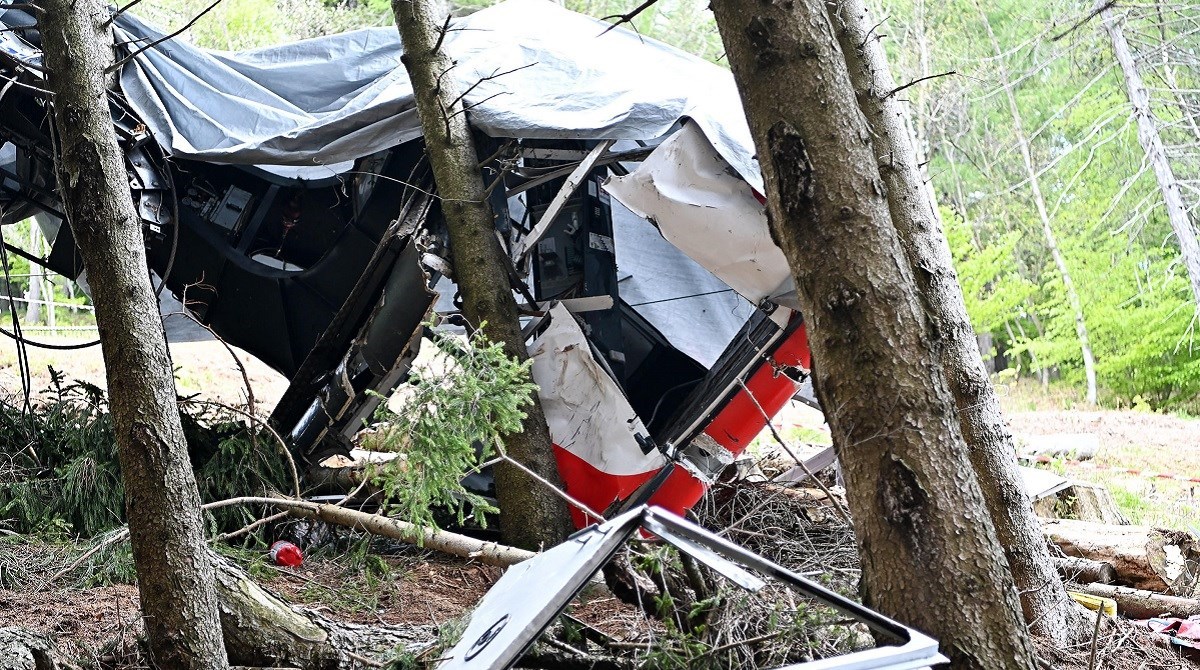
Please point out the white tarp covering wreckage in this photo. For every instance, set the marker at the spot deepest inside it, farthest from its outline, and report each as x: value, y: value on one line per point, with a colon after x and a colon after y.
x: 285, y: 190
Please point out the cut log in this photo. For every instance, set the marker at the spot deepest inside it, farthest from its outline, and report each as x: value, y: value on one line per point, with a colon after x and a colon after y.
x: 1137, y: 604
x: 1079, y: 446
x: 1083, y: 501
x: 1151, y: 559
x: 262, y: 630
x: 1092, y: 502
x: 489, y: 553
x: 1085, y: 571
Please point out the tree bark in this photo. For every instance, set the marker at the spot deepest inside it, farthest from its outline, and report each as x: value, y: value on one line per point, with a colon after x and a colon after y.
x: 1151, y: 559
x: 930, y: 554
x: 1039, y: 201
x: 531, y: 515
x: 175, y: 576
x: 22, y: 650
x: 454, y: 544
x: 262, y: 630
x: 1049, y: 612
x: 1085, y: 571
x: 1135, y: 604
x: 1148, y: 136
x: 33, y: 297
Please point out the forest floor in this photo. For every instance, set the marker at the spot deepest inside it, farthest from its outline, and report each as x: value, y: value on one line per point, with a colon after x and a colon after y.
x: 416, y: 587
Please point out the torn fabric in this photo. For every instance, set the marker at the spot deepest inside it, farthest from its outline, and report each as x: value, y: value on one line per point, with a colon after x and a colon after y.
x: 332, y: 99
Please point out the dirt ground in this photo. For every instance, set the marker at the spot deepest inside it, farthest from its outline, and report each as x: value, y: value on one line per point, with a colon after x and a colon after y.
x: 206, y: 368
x: 83, y: 622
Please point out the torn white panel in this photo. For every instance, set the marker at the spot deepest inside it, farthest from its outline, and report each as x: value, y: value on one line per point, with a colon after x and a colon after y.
x: 585, y: 409
x: 702, y: 207
x: 1042, y: 483
x: 695, y: 311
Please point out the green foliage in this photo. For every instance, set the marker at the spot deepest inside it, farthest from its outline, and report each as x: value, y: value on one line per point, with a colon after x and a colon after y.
x: 62, y: 470
x: 62, y: 477
x: 244, y: 24
x: 453, y: 412
x: 248, y: 24
x: 233, y: 459
x: 686, y: 24
x: 1103, y: 207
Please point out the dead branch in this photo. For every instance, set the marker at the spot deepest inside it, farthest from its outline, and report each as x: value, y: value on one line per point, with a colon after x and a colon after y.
x: 782, y: 443
x: 916, y: 81
x: 541, y: 480
x: 1096, y: 11
x: 454, y: 544
x: 628, y: 17
x: 117, y: 65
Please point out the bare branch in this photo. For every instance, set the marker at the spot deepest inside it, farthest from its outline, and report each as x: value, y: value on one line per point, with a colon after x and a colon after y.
x: 628, y: 17
x: 117, y: 65
x: 1087, y: 17
x: 916, y: 81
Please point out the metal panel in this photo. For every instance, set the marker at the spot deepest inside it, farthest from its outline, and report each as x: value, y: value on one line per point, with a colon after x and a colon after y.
x: 531, y: 594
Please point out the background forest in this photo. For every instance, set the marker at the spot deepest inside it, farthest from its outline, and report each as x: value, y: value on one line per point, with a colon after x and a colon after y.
x: 1054, y: 215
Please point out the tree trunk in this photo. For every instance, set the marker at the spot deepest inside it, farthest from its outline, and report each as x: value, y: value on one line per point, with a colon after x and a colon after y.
x: 23, y: 650
x: 1148, y: 136
x: 262, y: 630
x: 1048, y: 611
x: 175, y: 576
x: 930, y: 554
x: 1035, y: 188
x: 1085, y: 571
x: 532, y: 516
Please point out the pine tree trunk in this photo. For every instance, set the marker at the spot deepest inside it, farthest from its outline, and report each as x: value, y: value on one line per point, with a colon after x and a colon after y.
x: 532, y: 516
x: 1148, y: 136
x: 175, y: 576
x: 1048, y: 611
x: 1039, y: 201
x: 930, y: 554
x: 262, y: 630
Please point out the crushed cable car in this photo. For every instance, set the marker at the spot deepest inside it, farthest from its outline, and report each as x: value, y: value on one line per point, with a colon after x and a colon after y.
x: 287, y: 201
x: 530, y: 595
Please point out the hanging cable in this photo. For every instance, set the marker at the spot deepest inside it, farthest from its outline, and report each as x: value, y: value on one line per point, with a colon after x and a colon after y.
x: 681, y: 297
x: 22, y: 352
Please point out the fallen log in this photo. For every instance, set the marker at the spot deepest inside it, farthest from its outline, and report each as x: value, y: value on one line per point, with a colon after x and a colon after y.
x: 1137, y: 604
x: 490, y: 553
x: 1084, y: 571
x: 260, y: 629
x: 1150, y: 559
x: 1092, y: 502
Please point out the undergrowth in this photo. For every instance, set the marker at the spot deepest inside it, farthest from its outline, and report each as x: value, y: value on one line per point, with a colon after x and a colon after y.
x: 60, y: 476
x: 451, y: 413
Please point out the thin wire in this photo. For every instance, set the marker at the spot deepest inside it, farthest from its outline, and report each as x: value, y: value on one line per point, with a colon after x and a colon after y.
x: 16, y: 334
x: 681, y: 297
x: 658, y: 405
x: 22, y: 352
x: 166, y: 166
x: 22, y: 340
